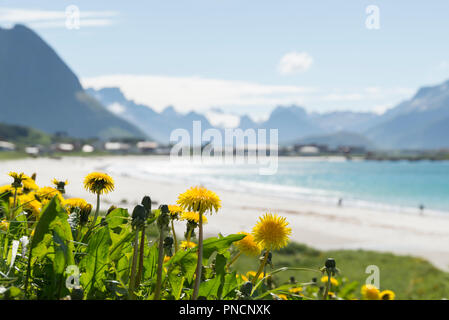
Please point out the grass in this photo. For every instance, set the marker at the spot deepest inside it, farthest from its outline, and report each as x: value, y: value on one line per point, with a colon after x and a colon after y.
x: 408, y: 277
x: 12, y: 155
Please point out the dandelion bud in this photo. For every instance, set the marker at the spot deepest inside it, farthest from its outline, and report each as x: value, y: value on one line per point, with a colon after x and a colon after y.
x: 168, y: 244
x: 77, y: 294
x: 146, y: 202
x: 164, y: 219
x: 138, y: 216
x: 84, y: 215
x: 246, y: 289
x: 330, y: 263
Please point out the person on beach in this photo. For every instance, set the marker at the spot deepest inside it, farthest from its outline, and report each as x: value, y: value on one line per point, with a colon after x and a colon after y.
x: 421, y: 209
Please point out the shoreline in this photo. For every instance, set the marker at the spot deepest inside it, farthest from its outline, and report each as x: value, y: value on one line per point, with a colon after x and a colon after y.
x: 322, y: 226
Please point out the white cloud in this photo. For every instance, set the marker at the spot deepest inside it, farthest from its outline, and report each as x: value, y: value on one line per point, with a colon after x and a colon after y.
x: 222, y: 119
x: 116, y: 108
x: 295, y: 62
x: 198, y: 93
x: 37, y: 18
x: 241, y: 97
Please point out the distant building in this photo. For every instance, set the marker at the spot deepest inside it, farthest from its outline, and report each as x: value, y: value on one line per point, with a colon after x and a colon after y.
x: 147, y: 146
x: 7, y: 146
x: 309, y: 150
x: 117, y: 146
x: 64, y: 147
x: 87, y: 148
x: 32, y: 151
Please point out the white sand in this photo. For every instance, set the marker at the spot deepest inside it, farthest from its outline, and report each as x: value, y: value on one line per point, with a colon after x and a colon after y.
x: 320, y: 226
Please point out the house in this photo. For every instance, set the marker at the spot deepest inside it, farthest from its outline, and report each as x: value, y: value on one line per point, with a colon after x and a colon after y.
x: 7, y: 146
x: 117, y: 146
x: 147, y: 146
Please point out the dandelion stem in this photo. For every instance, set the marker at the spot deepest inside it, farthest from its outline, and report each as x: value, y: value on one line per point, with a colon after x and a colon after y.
x: 15, y: 198
x: 174, y: 235
x: 160, y: 261
x: 132, y: 278
x: 97, y: 210
x: 199, y: 265
x: 189, y: 235
x: 234, y: 259
x: 328, y: 285
x: 142, y: 250
x: 262, y: 265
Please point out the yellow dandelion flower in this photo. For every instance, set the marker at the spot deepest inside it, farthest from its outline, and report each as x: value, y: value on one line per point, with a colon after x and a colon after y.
x: 192, y: 217
x: 99, y: 183
x: 4, y: 225
x: 6, y: 188
x: 252, y: 274
x: 73, y: 203
x: 295, y: 290
x: 247, y: 245
x: 370, y: 292
x: 18, y: 177
x: 60, y: 184
x: 271, y: 232
x: 45, y: 194
x: 30, y: 204
x: 175, y: 211
x: 387, y: 295
x: 28, y: 183
x: 242, y: 277
x: 187, y: 245
x: 166, y: 259
x: 282, y: 296
x: 334, y: 281
x: 199, y: 199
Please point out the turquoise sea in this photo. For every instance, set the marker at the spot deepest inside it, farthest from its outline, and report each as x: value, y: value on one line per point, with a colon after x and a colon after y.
x: 400, y: 185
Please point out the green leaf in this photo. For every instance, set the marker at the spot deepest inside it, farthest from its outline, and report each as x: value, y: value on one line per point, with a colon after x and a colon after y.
x: 48, y: 214
x: 120, y: 242
x: 187, y: 260
x: 150, y: 263
x: 95, y: 262
x: 229, y: 286
x: 219, y: 244
x: 117, y: 217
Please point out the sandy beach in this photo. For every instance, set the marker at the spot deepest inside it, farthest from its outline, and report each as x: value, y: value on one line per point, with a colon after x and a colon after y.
x: 317, y: 225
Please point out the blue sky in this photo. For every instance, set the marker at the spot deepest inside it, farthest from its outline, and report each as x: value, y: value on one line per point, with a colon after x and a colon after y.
x: 248, y: 56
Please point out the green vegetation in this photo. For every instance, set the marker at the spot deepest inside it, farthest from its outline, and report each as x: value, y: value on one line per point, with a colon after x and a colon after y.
x: 410, y: 277
x: 21, y: 135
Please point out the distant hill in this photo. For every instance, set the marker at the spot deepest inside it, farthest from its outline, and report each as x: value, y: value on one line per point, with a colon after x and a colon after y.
x: 337, y: 139
x: 156, y: 125
x: 22, y: 135
x: 37, y: 89
x: 419, y: 123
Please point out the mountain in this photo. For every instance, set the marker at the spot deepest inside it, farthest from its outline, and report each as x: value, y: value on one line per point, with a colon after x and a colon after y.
x: 23, y: 135
x: 292, y: 123
x: 345, y: 120
x: 37, y: 89
x: 342, y: 138
x: 247, y: 123
x: 158, y: 126
x: 419, y: 123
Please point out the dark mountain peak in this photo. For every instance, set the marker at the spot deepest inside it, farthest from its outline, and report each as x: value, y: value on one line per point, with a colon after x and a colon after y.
x: 293, y: 109
x: 39, y: 90
x: 169, y: 112
x: 108, y: 95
